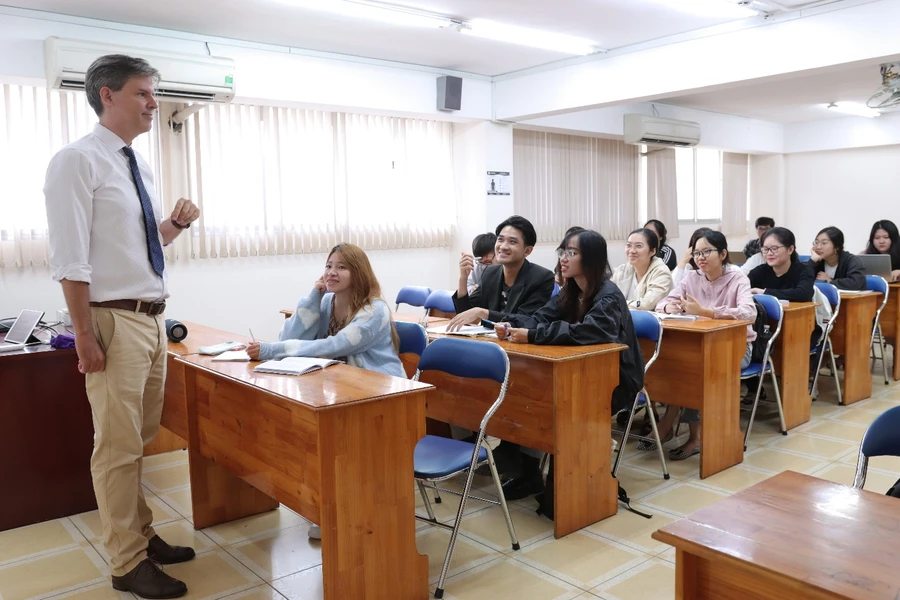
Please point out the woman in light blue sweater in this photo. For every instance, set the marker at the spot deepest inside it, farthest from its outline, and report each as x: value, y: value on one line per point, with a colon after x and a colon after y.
x: 343, y: 317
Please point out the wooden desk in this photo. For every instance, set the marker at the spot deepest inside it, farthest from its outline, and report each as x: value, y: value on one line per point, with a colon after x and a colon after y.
x: 558, y: 401
x: 699, y: 367
x: 792, y: 361
x: 336, y: 446
x: 791, y: 536
x: 890, y: 323
x: 46, y: 437
x: 403, y: 317
x: 850, y: 338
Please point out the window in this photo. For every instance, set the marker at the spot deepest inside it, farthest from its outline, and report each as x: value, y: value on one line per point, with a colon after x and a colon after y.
x: 698, y: 174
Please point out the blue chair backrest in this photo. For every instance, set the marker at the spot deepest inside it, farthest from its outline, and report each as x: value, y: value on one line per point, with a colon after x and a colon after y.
x: 646, y: 325
x: 882, y: 437
x: 555, y: 289
x: 875, y: 283
x: 441, y: 300
x: 413, y: 338
x: 803, y: 257
x: 413, y: 295
x: 830, y: 292
x: 771, y: 304
x: 466, y: 358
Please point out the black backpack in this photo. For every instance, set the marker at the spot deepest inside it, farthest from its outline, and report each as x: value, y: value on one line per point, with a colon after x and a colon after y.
x: 763, y: 333
x: 895, y: 490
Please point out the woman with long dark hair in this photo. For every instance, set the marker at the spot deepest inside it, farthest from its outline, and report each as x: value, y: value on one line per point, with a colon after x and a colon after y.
x: 835, y: 265
x: 782, y: 275
x: 885, y: 239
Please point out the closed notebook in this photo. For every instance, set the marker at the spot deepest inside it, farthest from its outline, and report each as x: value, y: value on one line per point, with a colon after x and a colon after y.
x: 295, y: 365
x: 668, y: 317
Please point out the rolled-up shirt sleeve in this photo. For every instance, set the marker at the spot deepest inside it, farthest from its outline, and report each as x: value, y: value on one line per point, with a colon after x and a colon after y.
x: 69, y: 197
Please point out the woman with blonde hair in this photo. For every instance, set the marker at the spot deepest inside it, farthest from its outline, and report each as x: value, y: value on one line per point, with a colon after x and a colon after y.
x: 343, y: 317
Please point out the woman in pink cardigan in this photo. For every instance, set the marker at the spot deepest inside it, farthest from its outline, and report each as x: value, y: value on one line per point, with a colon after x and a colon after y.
x: 712, y: 291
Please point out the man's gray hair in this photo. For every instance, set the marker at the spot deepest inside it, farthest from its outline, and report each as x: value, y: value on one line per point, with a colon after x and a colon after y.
x: 114, y: 71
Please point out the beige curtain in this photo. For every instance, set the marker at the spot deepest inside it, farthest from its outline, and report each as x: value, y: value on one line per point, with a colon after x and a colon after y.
x: 735, y: 183
x: 662, y: 192
x: 566, y: 180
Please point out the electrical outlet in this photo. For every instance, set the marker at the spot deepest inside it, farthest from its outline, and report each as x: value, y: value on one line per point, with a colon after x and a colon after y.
x: 64, y: 316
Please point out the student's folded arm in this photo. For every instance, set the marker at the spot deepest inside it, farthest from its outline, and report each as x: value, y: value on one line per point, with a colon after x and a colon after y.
x: 358, y: 336
x: 855, y: 279
x: 470, y: 300
x: 304, y: 323
x: 600, y: 326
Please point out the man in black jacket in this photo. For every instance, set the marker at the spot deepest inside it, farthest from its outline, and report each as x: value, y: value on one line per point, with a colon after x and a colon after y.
x: 513, y: 285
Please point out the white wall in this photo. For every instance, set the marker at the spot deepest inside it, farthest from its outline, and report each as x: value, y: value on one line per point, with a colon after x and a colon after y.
x: 850, y: 189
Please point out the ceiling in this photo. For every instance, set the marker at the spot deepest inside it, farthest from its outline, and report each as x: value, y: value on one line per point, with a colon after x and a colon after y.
x: 608, y: 23
x: 792, y: 99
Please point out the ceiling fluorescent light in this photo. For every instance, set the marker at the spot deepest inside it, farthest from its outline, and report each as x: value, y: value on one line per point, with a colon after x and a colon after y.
x: 556, y: 42
x: 376, y: 11
x: 714, y: 9
x: 854, y: 108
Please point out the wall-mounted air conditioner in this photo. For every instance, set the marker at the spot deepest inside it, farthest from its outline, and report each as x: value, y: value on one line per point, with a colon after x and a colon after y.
x: 656, y: 131
x: 184, y: 77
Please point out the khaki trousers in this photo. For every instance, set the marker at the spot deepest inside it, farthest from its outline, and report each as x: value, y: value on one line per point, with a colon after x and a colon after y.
x: 126, y: 401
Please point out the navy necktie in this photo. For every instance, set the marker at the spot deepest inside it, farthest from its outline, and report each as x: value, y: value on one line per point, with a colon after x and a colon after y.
x: 154, y: 248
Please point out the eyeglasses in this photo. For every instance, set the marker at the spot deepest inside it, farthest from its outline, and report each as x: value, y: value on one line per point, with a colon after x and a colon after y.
x: 567, y: 252
x: 821, y: 243
x: 486, y: 259
x: 702, y: 253
x: 629, y: 246
x: 770, y: 249
x: 763, y: 228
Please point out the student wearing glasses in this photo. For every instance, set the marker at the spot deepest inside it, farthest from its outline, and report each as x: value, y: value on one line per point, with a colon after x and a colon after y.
x: 686, y: 264
x: 482, y: 257
x: 885, y: 239
x: 710, y: 291
x: 783, y: 275
x: 644, y: 279
x: 831, y: 263
x: 763, y: 224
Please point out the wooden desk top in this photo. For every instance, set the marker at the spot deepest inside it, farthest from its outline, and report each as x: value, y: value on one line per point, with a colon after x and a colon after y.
x: 826, y: 535
x: 548, y: 353
x: 851, y: 295
x: 704, y: 325
x: 200, y: 335
x: 797, y: 306
x: 334, y: 386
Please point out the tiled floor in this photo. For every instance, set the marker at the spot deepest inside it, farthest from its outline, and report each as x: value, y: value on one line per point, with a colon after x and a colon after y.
x: 269, y: 557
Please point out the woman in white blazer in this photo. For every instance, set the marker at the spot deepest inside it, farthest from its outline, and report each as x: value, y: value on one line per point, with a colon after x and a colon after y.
x: 644, y: 279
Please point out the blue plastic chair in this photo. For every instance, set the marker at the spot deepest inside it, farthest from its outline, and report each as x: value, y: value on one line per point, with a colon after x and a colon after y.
x: 760, y: 369
x: 874, y: 283
x: 647, y: 326
x: 413, y: 340
x: 441, y: 300
x: 437, y: 459
x: 833, y: 296
x: 555, y: 289
x: 803, y: 257
x: 881, y: 439
x: 413, y: 295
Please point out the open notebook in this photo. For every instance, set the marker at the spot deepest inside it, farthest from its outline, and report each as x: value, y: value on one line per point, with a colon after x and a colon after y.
x: 470, y: 330
x: 295, y: 365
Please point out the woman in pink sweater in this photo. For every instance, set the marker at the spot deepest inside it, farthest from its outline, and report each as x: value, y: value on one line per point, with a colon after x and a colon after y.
x: 711, y: 291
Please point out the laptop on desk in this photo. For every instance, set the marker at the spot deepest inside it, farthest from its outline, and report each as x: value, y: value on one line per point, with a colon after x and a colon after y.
x: 21, y: 334
x: 876, y: 264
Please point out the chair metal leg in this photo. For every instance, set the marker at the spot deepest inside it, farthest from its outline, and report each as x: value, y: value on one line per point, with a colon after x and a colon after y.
x: 818, y: 366
x: 778, y: 401
x: 496, y: 477
x: 659, y: 448
x: 437, y: 496
x: 543, y: 464
x: 625, y: 434
x: 753, y: 410
x: 424, y: 495
x: 837, y: 378
x: 881, y: 343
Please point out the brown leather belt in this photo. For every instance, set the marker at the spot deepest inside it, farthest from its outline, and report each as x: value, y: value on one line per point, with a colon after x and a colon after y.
x: 141, y: 306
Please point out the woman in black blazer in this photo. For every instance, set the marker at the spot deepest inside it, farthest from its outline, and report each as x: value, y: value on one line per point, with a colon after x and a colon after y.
x: 835, y: 265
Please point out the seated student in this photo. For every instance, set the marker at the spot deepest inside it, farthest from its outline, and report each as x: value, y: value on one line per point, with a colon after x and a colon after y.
x: 763, y: 224
x: 557, y: 275
x: 783, y: 276
x: 589, y: 309
x: 710, y: 291
x: 483, y: 256
x: 513, y: 285
x: 835, y: 265
x: 666, y: 252
x: 687, y: 264
x: 885, y: 239
x: 644, y: 279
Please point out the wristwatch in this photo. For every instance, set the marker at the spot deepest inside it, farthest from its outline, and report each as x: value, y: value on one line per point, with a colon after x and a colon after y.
x: 177, y: 226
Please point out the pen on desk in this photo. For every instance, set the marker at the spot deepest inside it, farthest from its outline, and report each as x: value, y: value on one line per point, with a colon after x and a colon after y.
x: 251, y: 335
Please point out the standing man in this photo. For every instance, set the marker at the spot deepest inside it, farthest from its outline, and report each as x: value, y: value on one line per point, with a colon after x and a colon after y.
x: 106, y: 240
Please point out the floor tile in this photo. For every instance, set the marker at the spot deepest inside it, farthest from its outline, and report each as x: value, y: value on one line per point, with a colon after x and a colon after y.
x: 177, y: 457
x: 581, y: 559
x: 167, y: 478
x: 683, y: 499
x: 260, y: 592
x: 41, y: 538
x: 776, y: 461
x: 890, y: 464
x: 98, y: 591
x: 489, y: 528
x: 58, y: 572
x: 446, y: 510
x: 305, y: 585
x: 858, y: 416
x: 178, y: 500
x: 649, y: 461
x: 279, y: 554
x: 640, y: 482
x: 467, y: 554
x: 633, y: 530
x: 508, y: 579
x: 213, y: 575
x: 653, y: 580
x: 841, y: 431
x: 814, y: 446
x: 733, y: 479
x: 878, y: 405
x: 876, y: 481
x: 90, y: 527
x: 243, y: 530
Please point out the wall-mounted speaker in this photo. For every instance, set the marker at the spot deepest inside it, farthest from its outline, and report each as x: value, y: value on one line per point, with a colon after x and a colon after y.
x: 449, y: 93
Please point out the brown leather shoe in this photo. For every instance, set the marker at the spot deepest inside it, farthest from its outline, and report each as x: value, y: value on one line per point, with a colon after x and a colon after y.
x: 147, y: 580
x: 164, y: 554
